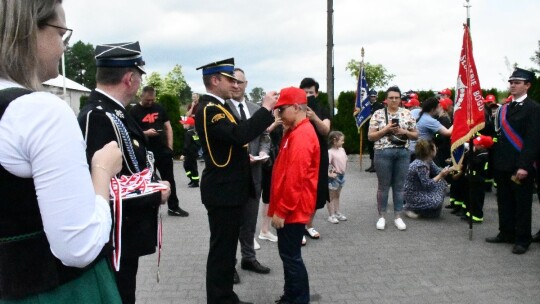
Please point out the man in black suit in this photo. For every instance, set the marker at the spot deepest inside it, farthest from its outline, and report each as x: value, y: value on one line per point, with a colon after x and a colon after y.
x: 226, y: 183
x: 518, y: 125
x: 260, y: 146
x: 119, y: 75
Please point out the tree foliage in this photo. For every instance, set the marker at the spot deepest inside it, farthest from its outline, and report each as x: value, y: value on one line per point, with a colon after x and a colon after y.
x: 376, y: 74
x: 80, y: 64
x: 171, y: 104
x: 256, y: 94
x: 344, y: 121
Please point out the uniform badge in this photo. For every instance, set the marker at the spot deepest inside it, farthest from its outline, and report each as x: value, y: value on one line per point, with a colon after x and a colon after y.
x: 217, y: 117
x: 135, y: 143
x: 99, y: 107
x: 119, y: 113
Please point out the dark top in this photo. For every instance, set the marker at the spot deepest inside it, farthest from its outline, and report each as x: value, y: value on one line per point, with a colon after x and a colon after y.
x: 322, y: 186
x: 152, y: 117
x: 192, y: 144
x: 525, y: 120
x: 226, y: 179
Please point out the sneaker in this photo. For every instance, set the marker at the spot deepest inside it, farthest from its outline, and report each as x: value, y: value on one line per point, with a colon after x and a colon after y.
x: 340, y: 216
x: 269, y: 236
x: 178, y: 212
x: 304, y: 241
x: 412, y: 214
x: 381, y: 223
x: 256, y: 245
x: 332, y: 219
x: 400, y: 224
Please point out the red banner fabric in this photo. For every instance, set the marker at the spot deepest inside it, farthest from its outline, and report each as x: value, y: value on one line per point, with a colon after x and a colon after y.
x: 468, y: 104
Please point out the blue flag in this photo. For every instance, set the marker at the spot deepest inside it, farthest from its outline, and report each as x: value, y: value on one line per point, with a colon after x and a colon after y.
x: 362, y: 106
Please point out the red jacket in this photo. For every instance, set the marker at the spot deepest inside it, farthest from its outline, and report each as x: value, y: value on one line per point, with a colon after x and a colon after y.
x: 295, y: 175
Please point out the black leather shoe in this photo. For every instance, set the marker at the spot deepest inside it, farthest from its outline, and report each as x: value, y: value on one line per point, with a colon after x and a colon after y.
x: 518, y: 249
x: 242, y: 302
x: 194, y: 185
x: 255, y: 266
x: 236, y: 277
x: 499, y: 239
x: 536, y: 237
x: 369, y: 169
x: 282, y: 300
x: 178, y: 212
x: 372, y: 170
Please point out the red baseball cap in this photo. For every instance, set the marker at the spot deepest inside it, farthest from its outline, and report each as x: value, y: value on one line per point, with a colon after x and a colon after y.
x: 484, y: 141
x: 445, y: 103
x: 446, y: 92
x: 290, y: 96
x: 188, y: 121
x: 413, y: 102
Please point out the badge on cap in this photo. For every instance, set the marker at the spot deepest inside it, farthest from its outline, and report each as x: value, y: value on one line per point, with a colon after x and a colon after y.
x: 120, y: 55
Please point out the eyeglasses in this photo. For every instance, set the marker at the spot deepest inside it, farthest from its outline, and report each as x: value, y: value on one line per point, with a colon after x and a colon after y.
x: 66, y: 36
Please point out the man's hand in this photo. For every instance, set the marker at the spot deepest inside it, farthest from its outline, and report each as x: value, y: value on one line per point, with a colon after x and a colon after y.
x: 269, y: 100
x: 277, y: 222
x: 151, y: 132
x: 165, y: 193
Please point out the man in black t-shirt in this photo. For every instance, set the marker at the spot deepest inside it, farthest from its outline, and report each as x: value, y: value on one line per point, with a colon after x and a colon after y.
x: 155, y: 124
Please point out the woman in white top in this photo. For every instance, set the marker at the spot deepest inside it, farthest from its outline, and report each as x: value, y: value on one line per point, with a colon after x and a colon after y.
x: 42, y: 151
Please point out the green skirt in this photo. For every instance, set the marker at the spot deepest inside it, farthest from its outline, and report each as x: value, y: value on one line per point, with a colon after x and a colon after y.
x: 97, y: 285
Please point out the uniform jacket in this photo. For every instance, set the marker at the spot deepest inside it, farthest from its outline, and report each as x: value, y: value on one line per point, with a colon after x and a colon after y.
x: 525, y: 120
x: 259, y: 144
x: 295, y: 175
x: 139, y: 226
x: 226, y: 179
x: 191, y: 144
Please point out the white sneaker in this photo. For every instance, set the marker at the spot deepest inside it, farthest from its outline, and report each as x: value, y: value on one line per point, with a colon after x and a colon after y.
x: 304, y: 241
x: 340, y: 217
x: 269, y: 236
x: 400, y: 224
x: 412, y: 214
x: 381, y: 223
x: 332, y: 219
x: 256, y: 245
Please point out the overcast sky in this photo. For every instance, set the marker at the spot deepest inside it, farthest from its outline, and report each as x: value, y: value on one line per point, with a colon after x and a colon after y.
x: 278, y: 42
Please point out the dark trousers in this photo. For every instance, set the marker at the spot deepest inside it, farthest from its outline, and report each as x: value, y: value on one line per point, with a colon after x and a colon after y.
x: 192, y: 172
x: 515, y: 207
x: 164, y: 164
x: 247, y: 230
x: 296, y: 289
x: 126, y: 279
x: 225, y: 222
x: 477, y: 195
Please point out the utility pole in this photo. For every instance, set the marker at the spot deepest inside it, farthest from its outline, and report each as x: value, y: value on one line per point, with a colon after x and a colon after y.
x: 468, y: 6
x: 330, y: 55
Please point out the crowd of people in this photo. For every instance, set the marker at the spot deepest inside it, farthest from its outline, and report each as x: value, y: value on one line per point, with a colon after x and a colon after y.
x: 83, y: 194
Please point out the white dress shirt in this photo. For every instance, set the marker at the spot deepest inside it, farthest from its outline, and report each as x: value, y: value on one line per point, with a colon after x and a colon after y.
x: 41, y: 139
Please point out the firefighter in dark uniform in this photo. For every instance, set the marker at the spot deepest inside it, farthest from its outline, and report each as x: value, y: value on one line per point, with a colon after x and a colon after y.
x: 490, y: 108
x: 518, y: 125
x: 226, y: 182
x: 375, y: 105
x: 119, y: 75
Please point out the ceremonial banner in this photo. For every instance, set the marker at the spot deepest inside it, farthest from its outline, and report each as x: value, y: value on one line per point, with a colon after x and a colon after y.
x: 362, y: 106
x: 468, y: 103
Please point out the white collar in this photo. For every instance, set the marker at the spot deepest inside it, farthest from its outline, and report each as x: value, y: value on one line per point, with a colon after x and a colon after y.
x: 216, y: 97
x: 520, y: 99
x: 110, y: 97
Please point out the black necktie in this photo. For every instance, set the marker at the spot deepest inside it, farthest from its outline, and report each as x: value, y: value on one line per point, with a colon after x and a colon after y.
x: 242, y: 113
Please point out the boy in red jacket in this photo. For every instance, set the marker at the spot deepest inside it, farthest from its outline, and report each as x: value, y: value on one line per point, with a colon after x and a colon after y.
x: 294, y: 190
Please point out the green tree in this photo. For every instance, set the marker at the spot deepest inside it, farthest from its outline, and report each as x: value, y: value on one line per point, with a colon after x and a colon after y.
x: 81, y: 64
x: 534, y: 91
x: 376, y: 74
x: 154, y: 80
x: 344, y: 122
x: 171, y: 103
x: 256, y: 94
x: 174, y: 82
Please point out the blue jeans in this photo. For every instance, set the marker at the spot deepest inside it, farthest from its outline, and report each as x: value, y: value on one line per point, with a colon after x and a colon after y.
x: 296, y: 289
x: 391, y: 166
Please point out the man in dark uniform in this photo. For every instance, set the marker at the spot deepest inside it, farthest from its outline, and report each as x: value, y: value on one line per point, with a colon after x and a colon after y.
x: 226, y: 183
x: 119, y: 75
x: 375, y: 105
x: 154, y: 121
x: 518, y: 126
x: 319, y: 117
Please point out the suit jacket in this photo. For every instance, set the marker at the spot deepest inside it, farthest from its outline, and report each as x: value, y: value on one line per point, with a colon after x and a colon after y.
x: 259, y: 144
x: 226, y: 179
x: 139, y: 225
x: 525, y: 120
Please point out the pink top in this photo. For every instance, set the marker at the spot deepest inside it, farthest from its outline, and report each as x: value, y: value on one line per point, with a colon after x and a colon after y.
x: 338, y: 159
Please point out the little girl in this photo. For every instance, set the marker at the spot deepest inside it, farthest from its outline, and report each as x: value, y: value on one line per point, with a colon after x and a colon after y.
x: 336, y: 174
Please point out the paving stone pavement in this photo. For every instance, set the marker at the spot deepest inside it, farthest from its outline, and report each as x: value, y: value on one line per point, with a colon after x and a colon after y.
x: 433, y: 261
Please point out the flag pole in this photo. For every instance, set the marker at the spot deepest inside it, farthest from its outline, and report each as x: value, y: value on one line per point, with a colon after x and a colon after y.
x: 362, y: 127
x: 471, y: 146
